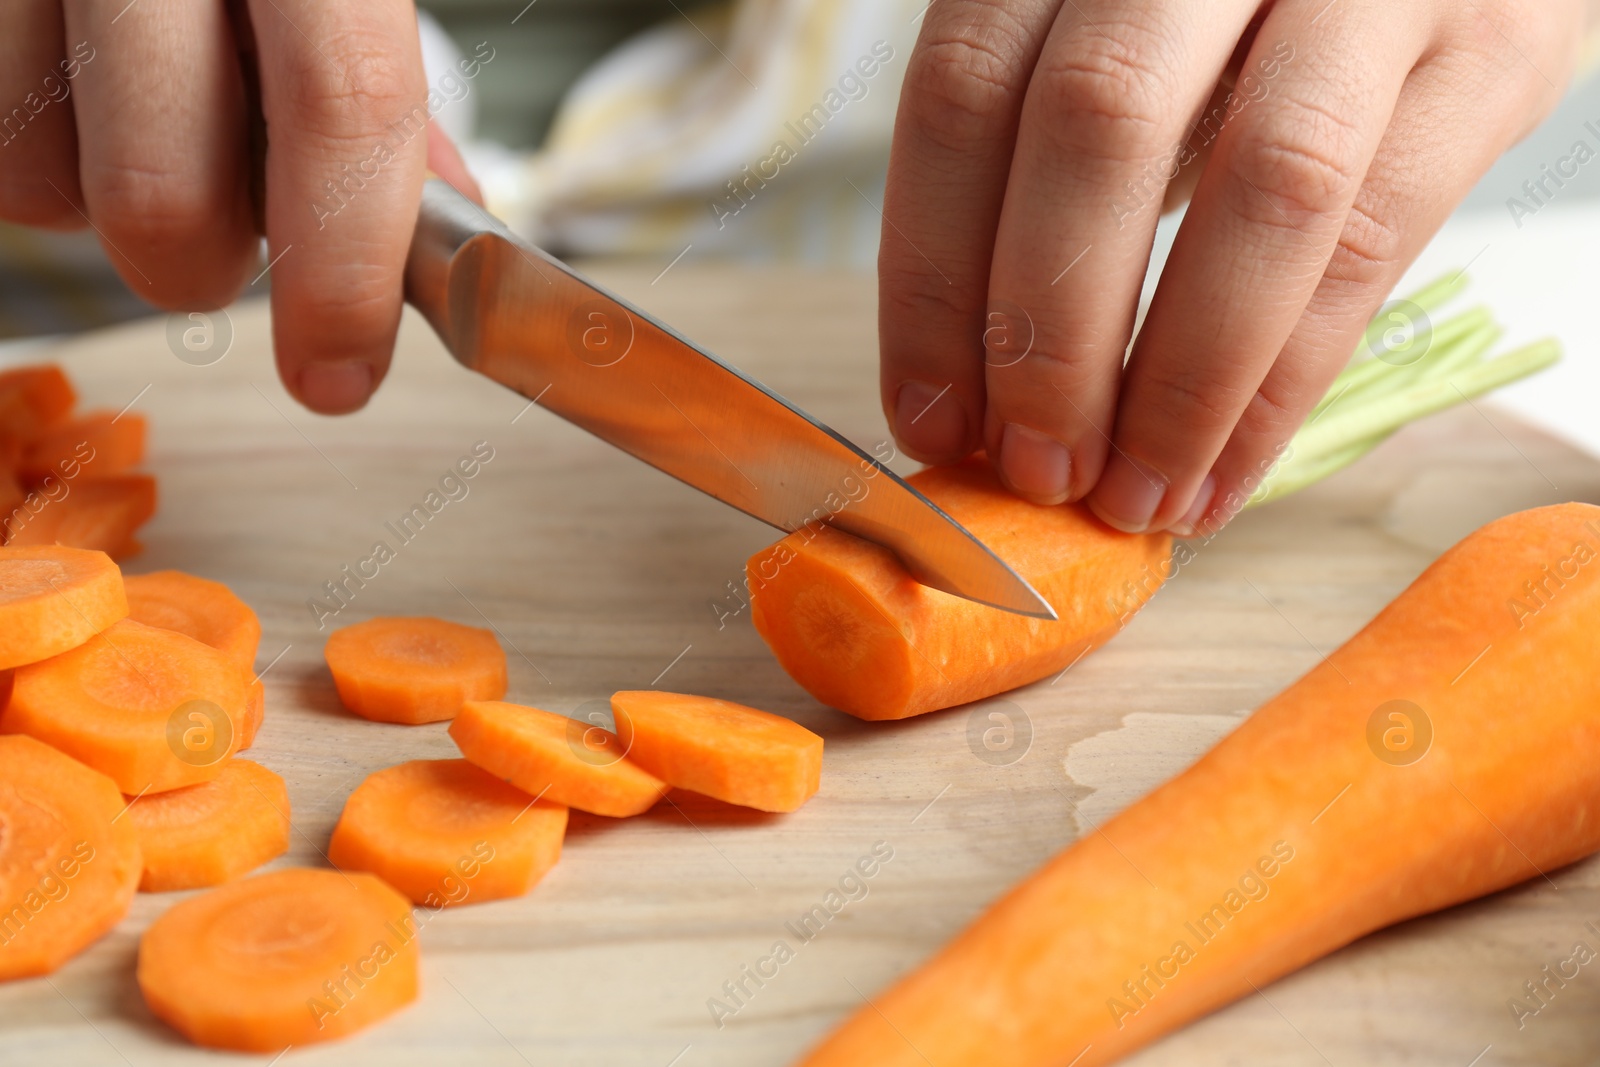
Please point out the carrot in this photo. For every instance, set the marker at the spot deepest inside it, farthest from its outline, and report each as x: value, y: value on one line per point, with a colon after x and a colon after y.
x: 255, y: 710
x: 563, y: 760
x: 150, y: 708
x: 207, y: 611
x: 53, y: 599
x: 287, y: 958
x: 721, y: 749
x: 851, y: 625
x: 1444, y: 752
x: 202, y: 835
x: 414, y: 669
x: 68, y: 865
x: 33, y: 399
x: 96, y: 445
x: 98, y: 513
x: 445, y: 832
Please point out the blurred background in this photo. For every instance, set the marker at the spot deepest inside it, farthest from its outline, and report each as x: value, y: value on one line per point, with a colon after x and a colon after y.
x: 652, y: 129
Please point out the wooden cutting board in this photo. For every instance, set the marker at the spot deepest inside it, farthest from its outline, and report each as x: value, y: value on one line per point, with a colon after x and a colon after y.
x: 601, y: 574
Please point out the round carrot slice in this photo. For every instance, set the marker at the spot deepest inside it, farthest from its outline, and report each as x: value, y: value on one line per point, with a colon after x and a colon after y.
x: 287, y: 958
x: 444, y: 832
x: 566, y: 760
x: 207, y: 611
x: 33, y: 399
x: 53, y: 599
x: 151, y: 708
x: 69, y: 864
x: 203, y: 835
x: 414, y: 669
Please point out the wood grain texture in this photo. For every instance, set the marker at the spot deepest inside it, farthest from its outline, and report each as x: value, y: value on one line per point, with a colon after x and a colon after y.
x: 599, y: 574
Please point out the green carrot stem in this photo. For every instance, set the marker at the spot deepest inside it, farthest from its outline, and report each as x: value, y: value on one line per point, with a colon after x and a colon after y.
x: 1291, y: 475
x: 1373, y: 373
x: 1388, y: 413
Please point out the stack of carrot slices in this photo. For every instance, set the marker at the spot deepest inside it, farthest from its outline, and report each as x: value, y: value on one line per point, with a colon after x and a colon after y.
x: 66, y: 479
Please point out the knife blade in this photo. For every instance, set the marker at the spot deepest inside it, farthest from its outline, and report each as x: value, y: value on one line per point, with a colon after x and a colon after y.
x: 512, y: 312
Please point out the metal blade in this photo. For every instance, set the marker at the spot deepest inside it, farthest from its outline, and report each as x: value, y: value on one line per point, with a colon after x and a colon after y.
x: 510, y: 311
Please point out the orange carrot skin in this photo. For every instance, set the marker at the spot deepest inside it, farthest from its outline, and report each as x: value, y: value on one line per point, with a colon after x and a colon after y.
x: 720, y: 749
x: 850, y: 624
x: 293, y: 957
x: 1509, y: 787
x: 95, y: 445
x: 69, y: 865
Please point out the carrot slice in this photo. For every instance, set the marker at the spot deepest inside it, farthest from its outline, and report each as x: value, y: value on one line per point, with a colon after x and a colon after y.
x: 207, y: 611
x: 850, y: 624
x: 96, y: 445
x: 68, y: 864
x: 554, y: 757
x: 32, y: 399
x: 97, y: 513
x: 205, y: 834
x: 255, y: 710
x: 292, y: 957
x: 53, y: 599
x: 719, y: 748
x: 1444, y: 752
x: 414, y: 669
x: 445, y: 832
x: 150, y: 708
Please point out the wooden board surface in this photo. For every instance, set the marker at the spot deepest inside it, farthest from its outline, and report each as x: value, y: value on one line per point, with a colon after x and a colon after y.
x: 601, y: 574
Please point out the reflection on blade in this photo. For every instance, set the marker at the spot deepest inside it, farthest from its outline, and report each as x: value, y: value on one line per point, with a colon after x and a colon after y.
x: 527, y: 321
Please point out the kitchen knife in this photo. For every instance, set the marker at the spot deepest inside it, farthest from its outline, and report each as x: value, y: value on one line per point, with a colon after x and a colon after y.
x: 510, y: 311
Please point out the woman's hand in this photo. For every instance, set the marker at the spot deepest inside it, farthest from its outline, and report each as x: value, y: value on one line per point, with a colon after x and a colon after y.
x: 133, y: 118
x: 1324, y: 141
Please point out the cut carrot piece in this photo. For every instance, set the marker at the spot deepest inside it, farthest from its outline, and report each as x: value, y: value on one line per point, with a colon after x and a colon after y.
x: 850, y: 624
x: 33, y: 399
x: 720, y: 749
x: 551, y: 756
x: 445, y: 832
x: 287, y: 958
x: 1444, y: 752
x: 255, y: 710
x: 150, y: 708
x: 414, y: 669
x: 96, y: 445
x: 53, y: 599
x: 68, y: 864
x: 203, y: 835
x: 207, y: 611
x: 99, y: 513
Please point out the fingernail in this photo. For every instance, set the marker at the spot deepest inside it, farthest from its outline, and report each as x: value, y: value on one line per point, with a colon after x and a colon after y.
x: 335, y: 388
x: 1186, y: 526
x: 1035, y: 465
x: 929, y: 422
x: 1127, y: 494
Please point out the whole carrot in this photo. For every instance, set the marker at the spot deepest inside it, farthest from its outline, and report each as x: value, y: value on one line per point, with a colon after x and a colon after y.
x: 1444, y: 752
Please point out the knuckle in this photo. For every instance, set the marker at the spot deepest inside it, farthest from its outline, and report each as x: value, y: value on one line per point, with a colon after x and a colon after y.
x: 1369, y: 250
x: 148, y: 205
x: 1303, y: 163
x: 352, y: 87
x: 965, y: 80
x: 1187, y: 398
x: 1108, y: 97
